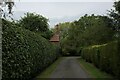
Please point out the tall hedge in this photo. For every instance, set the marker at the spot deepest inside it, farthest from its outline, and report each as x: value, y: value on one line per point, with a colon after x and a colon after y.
x: 106, y: 57
x: 25, y: 53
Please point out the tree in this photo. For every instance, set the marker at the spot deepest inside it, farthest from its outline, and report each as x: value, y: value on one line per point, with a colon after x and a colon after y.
x: 6, y: 4
x: 115, y: 15
x: 117, y: 6
x: 36, y: 23
x: 88, y: 30
x: 63, y: 27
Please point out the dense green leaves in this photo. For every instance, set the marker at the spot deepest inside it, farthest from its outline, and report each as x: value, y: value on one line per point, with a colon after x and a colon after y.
x: 88, y: 30
x: 25, y: 53
x: 34, y: 22
x: 115, y: 15
x: 106, y: 57
x: 117, y: 6
x: 93, y: 30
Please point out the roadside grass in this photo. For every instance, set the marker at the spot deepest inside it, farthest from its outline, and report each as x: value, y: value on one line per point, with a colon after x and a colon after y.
x: 47, y: 72
x: 92, y: 70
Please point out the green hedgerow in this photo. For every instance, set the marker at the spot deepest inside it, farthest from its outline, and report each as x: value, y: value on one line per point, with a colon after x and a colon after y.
x: 24, y: 53
x: 106, y: 57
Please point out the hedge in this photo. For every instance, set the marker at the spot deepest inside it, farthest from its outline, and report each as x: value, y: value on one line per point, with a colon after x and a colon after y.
x: 24, y: 53
x: 106, y: 57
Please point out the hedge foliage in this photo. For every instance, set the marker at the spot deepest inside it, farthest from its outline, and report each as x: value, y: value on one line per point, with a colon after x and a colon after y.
x: 25, y: 53
x: 106, y: 57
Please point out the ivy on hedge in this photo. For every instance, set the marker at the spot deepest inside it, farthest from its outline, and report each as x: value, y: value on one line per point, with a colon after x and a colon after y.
x: 24, y: 53
x: 106, y: 57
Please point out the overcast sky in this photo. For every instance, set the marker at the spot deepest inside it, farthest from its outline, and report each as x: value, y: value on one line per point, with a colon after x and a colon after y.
x: 65, y: 0
x: 62, y: 10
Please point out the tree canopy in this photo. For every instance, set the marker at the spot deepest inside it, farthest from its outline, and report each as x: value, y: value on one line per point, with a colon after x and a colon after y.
x: 115, y: 15
x: 88, y: 30
x: 36, y: 23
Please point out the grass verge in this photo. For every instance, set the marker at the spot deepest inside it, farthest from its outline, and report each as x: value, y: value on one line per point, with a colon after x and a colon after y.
x: 92, y: 70
x: 47, y: 72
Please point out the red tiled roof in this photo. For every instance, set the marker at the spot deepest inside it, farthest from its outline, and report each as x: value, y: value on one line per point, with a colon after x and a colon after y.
x: 55, y: 38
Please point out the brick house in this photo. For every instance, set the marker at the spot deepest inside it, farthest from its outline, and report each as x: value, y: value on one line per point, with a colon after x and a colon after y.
x: 56, y: 37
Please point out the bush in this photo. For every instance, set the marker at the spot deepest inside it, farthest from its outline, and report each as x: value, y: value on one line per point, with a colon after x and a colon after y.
x: 71, y: 51
x: 24, y: 53
x: 106, y: 57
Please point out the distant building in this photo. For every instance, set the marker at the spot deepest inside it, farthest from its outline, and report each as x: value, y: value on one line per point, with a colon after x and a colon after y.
x: 56, y: 37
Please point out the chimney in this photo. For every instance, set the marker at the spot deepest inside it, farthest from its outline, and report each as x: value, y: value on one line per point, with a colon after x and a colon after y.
x: 57, y: 29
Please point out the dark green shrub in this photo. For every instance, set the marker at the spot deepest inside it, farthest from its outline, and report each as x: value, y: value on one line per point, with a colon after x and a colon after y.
x: 106, y: 57
x: 70, y: 52
x: 110, y: 57
x: 24, y: 53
